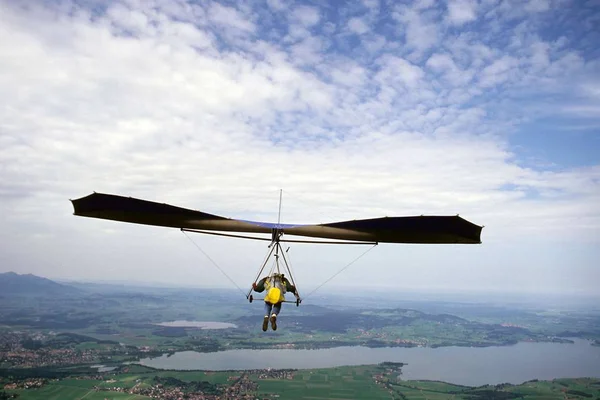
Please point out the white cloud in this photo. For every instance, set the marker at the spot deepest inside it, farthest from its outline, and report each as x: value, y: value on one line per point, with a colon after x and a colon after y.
x: 374, y: 43
x: 443, y: 63
x: 419, y: 33
x: 306, y: 15
x: 540, y: 57
x: 498, y: 71
x: 349, y: 74
x: 440, y: 62
x: 537, y: 5
x: 423, y: 4
x: 394, y: 69
x: 308, y: 51
x: 230, y: 18
x: 358, y: 26
x: 462, y: 11
x: 371, y: 4
x: 277, y: 5
x: 586, y: 111
x: 204, y: 113
x: 591, y: 89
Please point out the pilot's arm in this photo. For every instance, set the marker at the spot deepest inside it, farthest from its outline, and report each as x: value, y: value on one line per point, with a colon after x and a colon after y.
x: 289, y: 287
x: 260, y: 285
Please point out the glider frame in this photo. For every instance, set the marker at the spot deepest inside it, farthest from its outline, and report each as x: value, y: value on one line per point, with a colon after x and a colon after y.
x: 416, y: 230
x: 276, y: 251
x: 282, y: 241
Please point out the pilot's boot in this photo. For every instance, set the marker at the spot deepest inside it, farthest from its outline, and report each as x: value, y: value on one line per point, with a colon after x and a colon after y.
x: 274, y: 322
x: 265, y: 323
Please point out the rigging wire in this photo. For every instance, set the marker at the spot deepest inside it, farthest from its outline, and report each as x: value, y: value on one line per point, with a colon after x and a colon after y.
x: 275, y: 261
x: 341, y: 270
x: 279, y: 214
x: 264, y: 264
x: 273, y: 265
x: 288, y: 265
x: 214, y: 263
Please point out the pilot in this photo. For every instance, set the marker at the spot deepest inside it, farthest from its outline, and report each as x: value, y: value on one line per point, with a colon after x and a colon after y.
x: 276, y: 286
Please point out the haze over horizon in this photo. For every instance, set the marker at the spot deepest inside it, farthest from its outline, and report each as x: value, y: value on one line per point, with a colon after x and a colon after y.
x: 332, y: 295
x: 489, y: 109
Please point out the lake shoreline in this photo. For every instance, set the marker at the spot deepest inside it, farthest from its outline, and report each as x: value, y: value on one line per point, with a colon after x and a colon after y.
x: 470, y: 366
x: 316, y: 345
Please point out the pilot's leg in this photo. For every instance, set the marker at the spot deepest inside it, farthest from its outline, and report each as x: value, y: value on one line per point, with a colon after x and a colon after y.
x: 265, y: 324
x: 276, y: 310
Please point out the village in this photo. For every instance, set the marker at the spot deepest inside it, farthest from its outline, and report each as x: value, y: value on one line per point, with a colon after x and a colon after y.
x: 24, y: 349
x: 238, y: 386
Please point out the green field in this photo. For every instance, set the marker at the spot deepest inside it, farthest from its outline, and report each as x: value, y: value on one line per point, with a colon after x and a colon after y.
x: 331, y: 383
x: 71, y: 390
x: 359, y: 382
x: 584, y: 388
x: 111, y: 321
x: 110, y: 325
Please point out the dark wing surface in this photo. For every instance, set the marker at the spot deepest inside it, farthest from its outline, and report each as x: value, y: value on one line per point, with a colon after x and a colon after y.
x: 128, y: 209
x: 424, y: 229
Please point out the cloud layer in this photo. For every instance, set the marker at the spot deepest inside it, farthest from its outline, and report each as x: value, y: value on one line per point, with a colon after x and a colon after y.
x: 359, y: 111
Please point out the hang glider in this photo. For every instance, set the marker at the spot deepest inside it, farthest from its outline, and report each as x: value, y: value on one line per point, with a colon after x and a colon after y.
x: 418, y: 229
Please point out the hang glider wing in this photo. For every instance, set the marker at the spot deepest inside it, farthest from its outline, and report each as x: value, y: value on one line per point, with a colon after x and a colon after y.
x: 423, y: 229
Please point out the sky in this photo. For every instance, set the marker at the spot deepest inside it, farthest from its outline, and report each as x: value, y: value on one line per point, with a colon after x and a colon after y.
x: 489, y: 109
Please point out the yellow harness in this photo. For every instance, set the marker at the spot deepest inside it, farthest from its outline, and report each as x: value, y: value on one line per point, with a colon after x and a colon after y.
x: 275, y: 290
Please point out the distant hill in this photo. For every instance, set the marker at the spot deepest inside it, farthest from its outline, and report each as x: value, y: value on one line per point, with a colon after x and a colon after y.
x: 12, y: 284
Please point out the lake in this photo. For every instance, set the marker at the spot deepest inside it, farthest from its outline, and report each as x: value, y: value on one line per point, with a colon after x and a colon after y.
x: 103, y: 368
x: 473, y: 366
